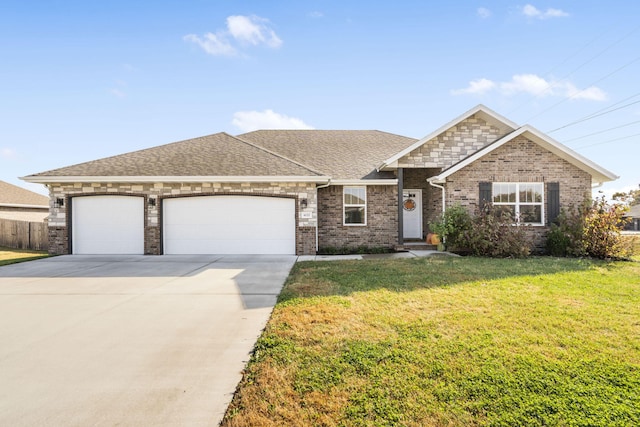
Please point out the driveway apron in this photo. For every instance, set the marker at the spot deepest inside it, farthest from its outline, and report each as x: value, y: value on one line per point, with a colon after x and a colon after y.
x: 130, y: 340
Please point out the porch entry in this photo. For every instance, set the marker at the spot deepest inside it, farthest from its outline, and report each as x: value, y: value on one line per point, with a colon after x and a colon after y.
x: 412, y: 214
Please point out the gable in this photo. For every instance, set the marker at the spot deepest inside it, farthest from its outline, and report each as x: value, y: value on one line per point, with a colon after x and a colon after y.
x: 453, y: 145
x: 597, y: 173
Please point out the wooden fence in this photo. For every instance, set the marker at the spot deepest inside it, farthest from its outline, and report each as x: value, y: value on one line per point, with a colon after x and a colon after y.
x: 24, y: 235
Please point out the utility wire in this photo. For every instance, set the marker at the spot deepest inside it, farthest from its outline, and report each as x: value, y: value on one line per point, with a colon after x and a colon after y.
x: 598, y: 114
x: 611, y: 140
x: 602, y: 131
x: 583, y: 90
x: 549, y: 85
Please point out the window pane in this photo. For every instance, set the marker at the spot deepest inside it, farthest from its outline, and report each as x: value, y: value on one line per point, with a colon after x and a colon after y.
x: 353, y: 215
x: 531, y: 214
x: 354, y: 196
x: 507, y: 210
x: 504, y: 193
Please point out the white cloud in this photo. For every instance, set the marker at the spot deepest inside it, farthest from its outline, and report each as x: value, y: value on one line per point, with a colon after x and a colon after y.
x: 252, y: 30
x: 7, y: 153
x: 243, y: 30
x: 248, y: 121
x: 483, y: 12
x: 212, y: 44
x: 532, y: 84
x: 529, y: 83
x: 476, y: 87
x: 531, y: 11
x: 316, y: 14
x: 591, y: 93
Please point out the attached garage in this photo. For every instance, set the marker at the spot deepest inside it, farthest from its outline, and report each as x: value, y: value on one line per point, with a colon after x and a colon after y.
x: 229, y: 225
x: 107, y: 225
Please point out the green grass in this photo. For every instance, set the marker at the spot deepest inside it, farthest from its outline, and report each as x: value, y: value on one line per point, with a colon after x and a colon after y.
x: 449, y: 342
x: 12, y: 256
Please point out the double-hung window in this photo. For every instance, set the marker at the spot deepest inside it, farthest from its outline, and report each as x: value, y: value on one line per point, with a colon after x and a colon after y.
x: 524, y: 201
x: 355, y: 205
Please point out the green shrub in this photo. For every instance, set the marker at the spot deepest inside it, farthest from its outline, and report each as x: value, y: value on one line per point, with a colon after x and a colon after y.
x: 492, y: 233
x: 452, y: 225
x: 591, y: 230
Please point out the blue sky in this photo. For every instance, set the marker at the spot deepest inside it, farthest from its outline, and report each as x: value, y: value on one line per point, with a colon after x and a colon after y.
x: 81, y: 80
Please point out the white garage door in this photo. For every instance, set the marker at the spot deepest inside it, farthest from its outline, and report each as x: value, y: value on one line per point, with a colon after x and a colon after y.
x: 229, y: 225
x: 107, y: 225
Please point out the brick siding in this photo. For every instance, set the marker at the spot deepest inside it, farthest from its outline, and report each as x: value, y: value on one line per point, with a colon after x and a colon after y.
x: 382, y: 219
x: 519, y: 160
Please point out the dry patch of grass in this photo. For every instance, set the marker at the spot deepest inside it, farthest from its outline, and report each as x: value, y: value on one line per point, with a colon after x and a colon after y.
x: 12, y: 256
x: 449, y: 342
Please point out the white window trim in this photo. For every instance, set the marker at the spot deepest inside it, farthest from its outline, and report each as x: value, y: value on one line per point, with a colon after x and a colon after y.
x: 346, y: 205
x: 517, y: 202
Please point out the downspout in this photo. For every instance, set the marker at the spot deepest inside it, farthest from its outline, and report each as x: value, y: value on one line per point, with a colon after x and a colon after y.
x: 443, y: 193
x: 317, y: 216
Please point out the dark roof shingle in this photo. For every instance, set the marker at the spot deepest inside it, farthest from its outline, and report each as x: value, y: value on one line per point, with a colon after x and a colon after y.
x: 219, y: 154
x: 13, y: 195
x: 342, y: 154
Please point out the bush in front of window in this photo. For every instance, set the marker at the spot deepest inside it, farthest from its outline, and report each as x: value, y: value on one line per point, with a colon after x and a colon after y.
x: 493, y: 234
x: 592, y: 230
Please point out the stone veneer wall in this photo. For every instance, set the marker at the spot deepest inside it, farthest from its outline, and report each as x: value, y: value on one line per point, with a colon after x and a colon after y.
x: 58, y: 219
x: 520, y: 160
x: 382, y: 219
x: 452, y: 145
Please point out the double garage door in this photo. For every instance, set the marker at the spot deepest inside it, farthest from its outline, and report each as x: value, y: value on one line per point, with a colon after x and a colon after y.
x: 190, y: 225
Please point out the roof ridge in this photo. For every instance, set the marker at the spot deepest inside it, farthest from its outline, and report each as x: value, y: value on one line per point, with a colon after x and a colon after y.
x: 277, y: 154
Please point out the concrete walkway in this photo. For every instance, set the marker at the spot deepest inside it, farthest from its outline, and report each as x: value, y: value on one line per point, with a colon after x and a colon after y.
x: 130, y: 340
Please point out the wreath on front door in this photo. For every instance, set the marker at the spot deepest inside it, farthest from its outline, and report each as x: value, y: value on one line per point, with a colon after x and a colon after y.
x: 409, y: 205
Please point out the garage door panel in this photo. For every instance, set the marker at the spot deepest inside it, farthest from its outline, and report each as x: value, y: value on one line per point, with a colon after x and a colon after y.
x: 229, y: 225
x: 107, y: 225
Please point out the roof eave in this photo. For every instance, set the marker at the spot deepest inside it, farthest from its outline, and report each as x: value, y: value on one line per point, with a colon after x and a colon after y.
x: 20, y: 205
x: 151, y: 179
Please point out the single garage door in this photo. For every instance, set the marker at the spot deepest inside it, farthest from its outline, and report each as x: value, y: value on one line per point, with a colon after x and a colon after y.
x: 229, y: 225
x: 107, y: 225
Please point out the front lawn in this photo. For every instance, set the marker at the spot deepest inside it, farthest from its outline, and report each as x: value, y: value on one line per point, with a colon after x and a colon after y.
x: 12, y: 256
x: 449, y: 342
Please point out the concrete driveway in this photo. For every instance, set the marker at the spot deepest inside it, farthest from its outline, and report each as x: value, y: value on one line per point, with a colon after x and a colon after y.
x: 130, y: 340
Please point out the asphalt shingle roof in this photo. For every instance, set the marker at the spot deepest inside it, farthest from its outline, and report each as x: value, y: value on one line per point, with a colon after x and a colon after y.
x: 13, y: 195
x: 341, y: 154
x: 219, y: 154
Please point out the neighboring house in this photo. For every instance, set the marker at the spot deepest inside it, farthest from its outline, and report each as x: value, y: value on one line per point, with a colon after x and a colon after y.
x: 292, y: 191
x: 634, y: 215
x: 19, y: 204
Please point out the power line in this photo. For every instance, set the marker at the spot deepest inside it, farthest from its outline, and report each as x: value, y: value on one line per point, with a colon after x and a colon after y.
x: 602, y: 131
x: 551, y: 85
x: 578, y: 93
x: 598, y: 114
x: 611, y: 140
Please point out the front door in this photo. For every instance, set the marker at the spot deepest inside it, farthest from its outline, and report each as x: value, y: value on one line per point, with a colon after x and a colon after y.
x: 412, y: 214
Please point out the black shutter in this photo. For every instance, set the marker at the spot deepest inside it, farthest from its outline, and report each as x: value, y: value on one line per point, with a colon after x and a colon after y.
x: 553, y: 201
x: 485, y: 194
